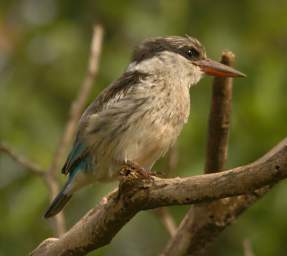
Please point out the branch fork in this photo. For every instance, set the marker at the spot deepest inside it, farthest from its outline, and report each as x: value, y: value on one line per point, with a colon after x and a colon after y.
x: 100, y: 225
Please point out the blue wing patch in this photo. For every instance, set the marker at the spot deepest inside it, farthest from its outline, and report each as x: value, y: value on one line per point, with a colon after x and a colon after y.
x: 77, y: 155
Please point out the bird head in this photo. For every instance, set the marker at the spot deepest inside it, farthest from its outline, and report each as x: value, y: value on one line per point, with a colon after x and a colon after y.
x: 181, y: 56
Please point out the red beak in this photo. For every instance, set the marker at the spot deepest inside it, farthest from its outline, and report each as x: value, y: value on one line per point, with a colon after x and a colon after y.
x: 214, y: 68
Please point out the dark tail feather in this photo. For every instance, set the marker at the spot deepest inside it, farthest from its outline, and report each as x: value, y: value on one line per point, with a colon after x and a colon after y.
x: 58, y: 204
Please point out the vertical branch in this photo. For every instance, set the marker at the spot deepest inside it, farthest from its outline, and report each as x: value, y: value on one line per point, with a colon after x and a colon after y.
x: 219, y: 119
x: 75, y: 112
x: 58, y: 222
x: 166, y: 219
x: 172, y: 160
x: 194, y: 231
x: 163, y: 213
x: 247, y: 248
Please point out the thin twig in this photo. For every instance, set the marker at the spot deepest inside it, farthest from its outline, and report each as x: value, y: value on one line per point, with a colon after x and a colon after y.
x: 247, y: 248
x: 164, y: 214
x: 172, y: 160
x: 217, y: 146
x: 167, y: 220
x: 219, y: 119
x: 79, y: 103
x: 28, y: 164
x: 58, y: 222
x: 76, y: 109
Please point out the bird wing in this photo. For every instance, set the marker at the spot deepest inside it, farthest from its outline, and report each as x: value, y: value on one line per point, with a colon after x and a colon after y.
x: 114, y: 93
x: 77, y: 154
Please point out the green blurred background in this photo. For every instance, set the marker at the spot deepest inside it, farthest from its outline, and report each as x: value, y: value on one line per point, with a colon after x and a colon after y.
x: 44, y: 48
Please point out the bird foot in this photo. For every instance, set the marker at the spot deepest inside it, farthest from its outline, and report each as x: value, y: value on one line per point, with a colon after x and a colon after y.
x: 134, y: 169
x: 132, y: 176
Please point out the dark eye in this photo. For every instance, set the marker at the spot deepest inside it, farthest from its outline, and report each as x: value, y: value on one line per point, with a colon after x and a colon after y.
x: 192, y: 53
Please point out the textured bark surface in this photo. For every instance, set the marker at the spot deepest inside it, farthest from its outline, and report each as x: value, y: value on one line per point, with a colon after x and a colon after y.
x: 219, y: 119
x: 101, y: 224
x: 204, y: 222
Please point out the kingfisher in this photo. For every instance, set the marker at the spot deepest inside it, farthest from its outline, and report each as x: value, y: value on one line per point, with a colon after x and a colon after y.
x: 139, y: 116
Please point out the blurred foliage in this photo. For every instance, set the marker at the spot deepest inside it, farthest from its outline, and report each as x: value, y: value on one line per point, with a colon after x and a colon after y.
x: 44, y: 47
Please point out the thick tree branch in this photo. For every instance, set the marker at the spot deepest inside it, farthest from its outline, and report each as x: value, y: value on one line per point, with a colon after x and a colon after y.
x: 100, y: 225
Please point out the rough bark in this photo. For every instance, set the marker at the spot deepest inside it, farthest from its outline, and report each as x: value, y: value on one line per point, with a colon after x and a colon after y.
x: 100, y: 225
x: 219, y: 119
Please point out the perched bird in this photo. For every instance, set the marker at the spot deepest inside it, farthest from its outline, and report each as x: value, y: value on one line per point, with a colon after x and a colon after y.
x: 139, y: 116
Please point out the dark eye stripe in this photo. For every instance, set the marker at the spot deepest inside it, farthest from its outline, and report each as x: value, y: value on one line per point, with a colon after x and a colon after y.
x: 190, y: 50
